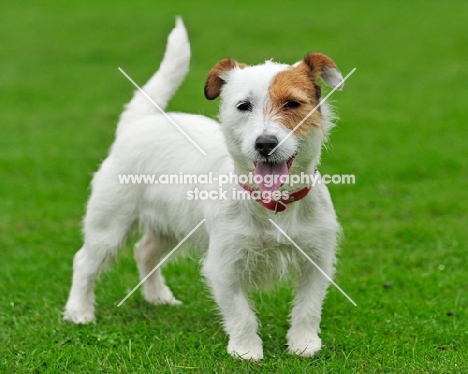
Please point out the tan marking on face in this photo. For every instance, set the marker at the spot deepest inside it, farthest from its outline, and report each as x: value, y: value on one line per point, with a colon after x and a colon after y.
x: 295, y: 84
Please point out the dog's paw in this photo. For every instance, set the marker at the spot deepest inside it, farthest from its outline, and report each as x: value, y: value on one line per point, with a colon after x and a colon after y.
x: 305, y: 345
x: 246, y: 349
x: 79, y: 315
x: 162, y: 296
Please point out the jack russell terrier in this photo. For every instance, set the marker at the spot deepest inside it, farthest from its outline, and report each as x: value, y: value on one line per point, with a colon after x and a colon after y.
x: 242, y: 240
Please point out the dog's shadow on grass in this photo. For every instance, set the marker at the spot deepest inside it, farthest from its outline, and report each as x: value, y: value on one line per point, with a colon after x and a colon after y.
x: 189, y: 326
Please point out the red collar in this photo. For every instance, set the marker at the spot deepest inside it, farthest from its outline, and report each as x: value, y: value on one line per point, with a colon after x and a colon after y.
x: 279, y: 205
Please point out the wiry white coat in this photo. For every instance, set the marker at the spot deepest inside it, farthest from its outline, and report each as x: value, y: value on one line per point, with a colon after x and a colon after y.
x: 242, y: 248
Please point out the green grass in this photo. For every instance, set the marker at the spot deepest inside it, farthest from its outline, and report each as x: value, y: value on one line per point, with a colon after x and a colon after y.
x: 402, y: 133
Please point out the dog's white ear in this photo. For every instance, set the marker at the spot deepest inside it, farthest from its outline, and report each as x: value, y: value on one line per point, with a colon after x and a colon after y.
x: 215, y: 80
x: 323, y: 66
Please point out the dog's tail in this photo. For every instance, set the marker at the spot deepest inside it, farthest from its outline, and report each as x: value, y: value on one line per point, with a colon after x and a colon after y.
x: 164, y: 83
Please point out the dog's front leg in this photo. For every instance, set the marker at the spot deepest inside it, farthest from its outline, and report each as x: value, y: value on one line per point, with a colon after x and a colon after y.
x: 239, y: 320
x: 303, y: 336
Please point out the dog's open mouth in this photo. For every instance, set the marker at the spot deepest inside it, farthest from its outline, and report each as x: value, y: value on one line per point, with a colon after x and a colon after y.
x: 271, y: 176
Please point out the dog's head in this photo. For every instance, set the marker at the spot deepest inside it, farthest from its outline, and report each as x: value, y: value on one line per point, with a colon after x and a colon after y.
x: 262, y: 105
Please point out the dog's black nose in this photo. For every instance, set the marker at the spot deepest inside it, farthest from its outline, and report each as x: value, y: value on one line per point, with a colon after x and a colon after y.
x: 265, y: 144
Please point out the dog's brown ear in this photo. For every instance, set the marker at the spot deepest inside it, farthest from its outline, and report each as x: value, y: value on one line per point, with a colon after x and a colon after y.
x: 215, y: 80
x: 323, y: 66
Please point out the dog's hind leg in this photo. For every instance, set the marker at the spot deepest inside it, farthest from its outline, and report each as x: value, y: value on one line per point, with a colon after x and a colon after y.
x: 107, y: 223
x: 87, y: 263
x: 149, y: 251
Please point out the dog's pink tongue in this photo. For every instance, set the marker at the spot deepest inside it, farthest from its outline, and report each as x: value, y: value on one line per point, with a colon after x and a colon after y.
x: 271, y: 175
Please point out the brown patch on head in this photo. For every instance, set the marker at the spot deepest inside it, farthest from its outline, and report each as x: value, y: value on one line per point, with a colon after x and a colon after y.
x: 295, y: 92
x: 214, y: 82
x: 294, y: 95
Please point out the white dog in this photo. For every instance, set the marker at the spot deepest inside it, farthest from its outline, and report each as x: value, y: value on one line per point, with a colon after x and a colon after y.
x: 242, y: 246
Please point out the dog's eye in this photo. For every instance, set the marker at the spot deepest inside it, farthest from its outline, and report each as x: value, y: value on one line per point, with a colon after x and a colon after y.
x: 291, y: 104
x: 244, y: 106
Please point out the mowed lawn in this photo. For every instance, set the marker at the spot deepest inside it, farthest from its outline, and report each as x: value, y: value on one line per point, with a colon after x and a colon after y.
x: 402, y: 133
